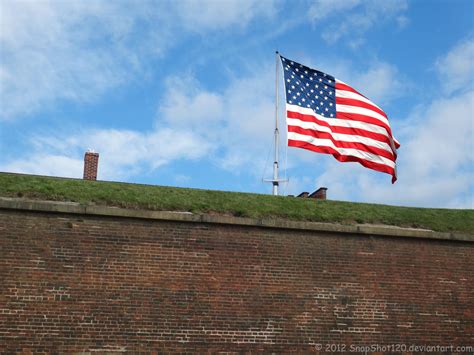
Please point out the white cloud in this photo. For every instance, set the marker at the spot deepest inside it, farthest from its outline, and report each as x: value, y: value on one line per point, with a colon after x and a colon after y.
x: 353, y: 18
x: 320, y: 9
x: 237, y: 121
x: 232, y: 129
x: 203, y: 15
x: 55, y: 51
x: 47, y: 164
x: 50, y: 52
x: 122, y: 153
x: 456, y: 69
x: 187, y: 105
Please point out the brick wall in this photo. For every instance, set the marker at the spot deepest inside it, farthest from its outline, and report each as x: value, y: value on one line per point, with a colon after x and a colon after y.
x: 83, y: 283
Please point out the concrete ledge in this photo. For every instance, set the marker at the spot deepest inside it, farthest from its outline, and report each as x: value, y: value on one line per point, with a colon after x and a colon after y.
x: 93, y: 210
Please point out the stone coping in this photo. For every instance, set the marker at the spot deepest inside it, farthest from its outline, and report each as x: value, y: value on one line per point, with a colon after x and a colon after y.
x: 94, y: 210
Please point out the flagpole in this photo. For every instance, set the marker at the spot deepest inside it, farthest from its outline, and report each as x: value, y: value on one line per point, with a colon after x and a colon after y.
x: 276, y: 181
x: 277, y: 133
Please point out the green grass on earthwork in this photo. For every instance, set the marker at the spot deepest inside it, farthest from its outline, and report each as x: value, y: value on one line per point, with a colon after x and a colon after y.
x: 163, y: 198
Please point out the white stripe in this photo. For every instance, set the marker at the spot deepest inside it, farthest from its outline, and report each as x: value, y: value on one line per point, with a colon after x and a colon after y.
x: 343, y: 151
x: 353, y: 138
x: 352, y: 95
x: 361, y: 111
x: 340, y: 122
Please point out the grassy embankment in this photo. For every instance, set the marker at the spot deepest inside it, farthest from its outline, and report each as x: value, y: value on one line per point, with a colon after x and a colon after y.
x: 137, y: 196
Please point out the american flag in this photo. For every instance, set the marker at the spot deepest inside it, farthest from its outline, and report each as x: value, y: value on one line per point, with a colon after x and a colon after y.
x: 328, y: 116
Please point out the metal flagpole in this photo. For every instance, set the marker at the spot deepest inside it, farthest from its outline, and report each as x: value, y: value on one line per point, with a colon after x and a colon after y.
x: 275, y: 181
x: 277, y: 133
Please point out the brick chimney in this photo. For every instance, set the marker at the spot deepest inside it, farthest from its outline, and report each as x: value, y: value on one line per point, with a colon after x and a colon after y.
x: 91, y: 164
x: 319, y: 194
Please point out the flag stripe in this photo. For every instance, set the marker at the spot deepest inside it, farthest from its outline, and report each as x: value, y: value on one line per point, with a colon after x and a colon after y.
x: 345, y: 141
x: 352, y: 95
x: 362, y: 111
x: 342, y: 86
x: 358, y: 103
x: 340, y: 125
x: 343, y: 133
x: 340, y: 150
x: 344, y: 158
x: 364, y: 120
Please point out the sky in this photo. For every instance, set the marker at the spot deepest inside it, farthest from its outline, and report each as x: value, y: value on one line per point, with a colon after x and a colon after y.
x: 182, y: 93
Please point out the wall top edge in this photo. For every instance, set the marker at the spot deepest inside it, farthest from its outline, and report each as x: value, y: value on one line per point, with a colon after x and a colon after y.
x: 94, y: 210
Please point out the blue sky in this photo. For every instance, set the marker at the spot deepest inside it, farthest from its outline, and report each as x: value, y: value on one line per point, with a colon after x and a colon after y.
x: 181, y: 92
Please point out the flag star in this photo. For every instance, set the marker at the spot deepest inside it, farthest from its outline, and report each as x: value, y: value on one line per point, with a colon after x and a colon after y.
x: 306, y: 72
x: 322, y: 113
x: 307, y: 105
x: 325, y: 86
x: 294, y: 97
x: 330, y: 92
x: 297, y: 69
x: 289, y: 91
x: 298, y: 93
x: 299, y: 103
x: 301, y: 65
x: 302, y: 76
x: 303, y: 99
x: 324, y: 75
x: 286, y: 68
x: 326, y: 109
x: 292, y: 76
x: 290, y: 101
x: 317, y: 97
x: 329, y: 81
x: 321, y: 92
x: 292, y: 63
x: 316, y: 86
x: 297, y: 82
x: 325, y: 97
x: 292, y: 86
x: 312, y: 90
x: 302, y: 89
x: 307, y: 84
x: 330, y: 104
x: 288, y: 80
x: 312, y: 101
x: 310, y: 78
x: 331, y: 115
x: 320, y: 79
x: 317, y: 108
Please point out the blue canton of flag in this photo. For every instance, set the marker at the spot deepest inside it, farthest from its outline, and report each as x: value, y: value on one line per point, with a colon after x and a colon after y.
x: 310, y: 88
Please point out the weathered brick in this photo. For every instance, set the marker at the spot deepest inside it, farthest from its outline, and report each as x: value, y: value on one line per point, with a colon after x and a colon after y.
x: 73, y: 283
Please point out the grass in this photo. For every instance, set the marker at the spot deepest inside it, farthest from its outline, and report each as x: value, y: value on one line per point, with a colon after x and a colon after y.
x: 137, y: 196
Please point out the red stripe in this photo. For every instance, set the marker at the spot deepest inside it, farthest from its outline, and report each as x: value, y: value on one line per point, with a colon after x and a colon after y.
x: 341, y: 86
x: 342, y: 144
x: 344, y: 158
x: 338, y: 129
x: 364, y: 118
x: 358, y: 103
